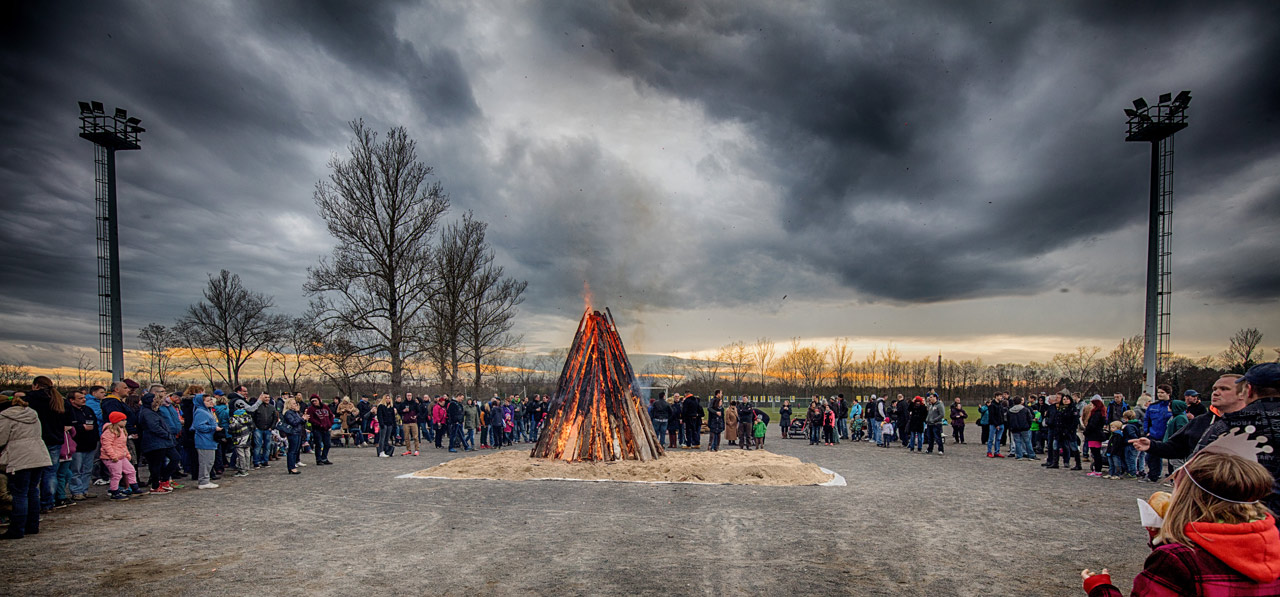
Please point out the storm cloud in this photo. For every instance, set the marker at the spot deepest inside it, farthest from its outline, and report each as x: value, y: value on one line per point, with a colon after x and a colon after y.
x: 674, y: 155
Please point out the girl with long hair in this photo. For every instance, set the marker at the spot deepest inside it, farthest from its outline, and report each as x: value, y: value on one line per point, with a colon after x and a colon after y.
x: 1095, y: 433
x: 55, y: 423
x: 1217, y: 537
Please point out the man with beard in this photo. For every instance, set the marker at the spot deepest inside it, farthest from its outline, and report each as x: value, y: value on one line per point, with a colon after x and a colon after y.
x: 1180, y: 444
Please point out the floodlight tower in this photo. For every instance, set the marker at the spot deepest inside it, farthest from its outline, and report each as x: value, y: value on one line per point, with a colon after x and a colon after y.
x: 1157, y: 125
x: 108, y: 134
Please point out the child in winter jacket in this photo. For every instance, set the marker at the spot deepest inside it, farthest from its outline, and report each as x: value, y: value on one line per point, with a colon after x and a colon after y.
x: 1116, y: 446
x: 1218, y: 538
x: 114, y: 452
x: 1132, y: 431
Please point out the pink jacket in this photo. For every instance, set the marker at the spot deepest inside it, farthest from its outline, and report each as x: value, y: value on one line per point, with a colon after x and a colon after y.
x: 439, y: 414
x: 114, y: 445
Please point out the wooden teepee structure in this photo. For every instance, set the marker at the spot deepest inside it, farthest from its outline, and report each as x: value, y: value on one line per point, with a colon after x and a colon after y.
x: 596, y: 413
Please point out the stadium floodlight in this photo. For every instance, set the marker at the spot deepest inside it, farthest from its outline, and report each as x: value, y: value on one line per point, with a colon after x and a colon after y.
x: 85, y: 108
x: 121, y: 114
x: 1140, y: 104
x: 133, y: 120
x: 1166, y: 98
x: 1184, y: 98
x: 97, y: 107
x: 1130, y: 112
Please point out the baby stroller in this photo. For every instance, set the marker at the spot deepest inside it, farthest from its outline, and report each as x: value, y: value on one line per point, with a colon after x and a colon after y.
x: 799, y: 429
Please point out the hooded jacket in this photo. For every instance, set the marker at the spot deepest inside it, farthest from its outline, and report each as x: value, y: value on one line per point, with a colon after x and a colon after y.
x: 470, y: 416
x: 115, y: 444
x: 1238, y: 559
x: 86, y: 439
x: 240, y: 427
x: 691, y: 410
x: 202, y: 427
x: 1177, y: 420
x: 995, y: 414
x: 917, y: 412
x: 1019, y: 418
x: 21, y: 445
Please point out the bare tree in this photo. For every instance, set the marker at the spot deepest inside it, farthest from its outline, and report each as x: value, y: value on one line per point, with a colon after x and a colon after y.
x: 841, y: 361
x: 343, y: 363
x: 160, y: 344
x: 1079, y: 367
x: 489, y: 309
x: 1242, y: 351
x: 762, y: 356
x: 86, y: 371
x: 737, y: 359
x: 455, y: 262
x: 810, y: 364
x: 230, y: 325
x: 383, y: 212
x: 672, y: 370
x: 294, y: 351
x: 704, y: 373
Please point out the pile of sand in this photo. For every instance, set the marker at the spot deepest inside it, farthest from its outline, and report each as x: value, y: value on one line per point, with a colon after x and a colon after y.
x: 732, y: 467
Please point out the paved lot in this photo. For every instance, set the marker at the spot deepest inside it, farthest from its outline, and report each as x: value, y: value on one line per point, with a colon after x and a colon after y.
x: 959, y: 524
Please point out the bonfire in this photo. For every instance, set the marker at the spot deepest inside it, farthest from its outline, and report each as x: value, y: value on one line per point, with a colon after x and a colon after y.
x: 597, y: 413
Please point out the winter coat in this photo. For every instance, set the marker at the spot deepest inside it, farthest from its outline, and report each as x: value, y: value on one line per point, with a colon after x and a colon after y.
x: 1095, y: 429
x: 1019, y: 418
x: 1263, y: 415
x: 1066, y: 423
x: 1180, y: 444
x: 21, y: 444
x: 715, y: 419
x: 814, y: 416
x: 154, y: 432
x: 240, y: 428
x: 1115, y: 409
x: 784, y: 413
x: 495, y: 416
x: 982, y: 414
x: 265, y: 416
x: 937, y: 414
x: 114, y: 404
x: 1116, y: 443
x: 691, y: 410
x: 51, y: 423
x: 86, y: 439
x: 958, y: 415
x: 171, y: 419
x: 454, y: 411
x: 916, y: 413
x: 1178, y: 409
x: 292, y: 419
x: 731, y: 424
x: 660, y: 411
x: 386, y: 416
x: 470, y: 416
x: 996, y: 414
x: 115, y: 445
x: 1228, y: 559
x: 202, y: 427
x: 1157, y: 419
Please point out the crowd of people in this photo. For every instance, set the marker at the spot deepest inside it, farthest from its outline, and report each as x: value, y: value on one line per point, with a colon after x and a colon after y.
x: 1219, y: 529
x: 55, y: 448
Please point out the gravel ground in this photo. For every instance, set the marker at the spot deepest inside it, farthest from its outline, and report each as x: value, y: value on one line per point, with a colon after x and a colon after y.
x: 959, y: 524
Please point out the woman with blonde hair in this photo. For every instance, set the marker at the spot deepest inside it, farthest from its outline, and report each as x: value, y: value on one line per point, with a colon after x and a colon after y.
x: 1217, y: 537
x: 293, y: 425
x: 349, y: 418
x: 386, y: 417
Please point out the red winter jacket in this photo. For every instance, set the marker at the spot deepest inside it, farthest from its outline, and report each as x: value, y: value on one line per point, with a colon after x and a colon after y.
x: 1230, y: 560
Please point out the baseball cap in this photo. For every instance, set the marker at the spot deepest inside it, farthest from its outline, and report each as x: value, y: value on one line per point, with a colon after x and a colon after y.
x: 217, y: 392
x: 1191, y: 393
x: 1264, y: 374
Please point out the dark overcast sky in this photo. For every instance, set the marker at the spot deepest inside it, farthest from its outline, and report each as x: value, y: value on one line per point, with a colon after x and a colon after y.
x: 943, y: 174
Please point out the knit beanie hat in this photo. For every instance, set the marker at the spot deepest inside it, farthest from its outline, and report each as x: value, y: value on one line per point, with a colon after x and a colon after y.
x: 116, y: 417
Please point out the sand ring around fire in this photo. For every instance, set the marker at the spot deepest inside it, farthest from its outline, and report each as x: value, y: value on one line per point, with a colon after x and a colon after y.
x: 728, y: 467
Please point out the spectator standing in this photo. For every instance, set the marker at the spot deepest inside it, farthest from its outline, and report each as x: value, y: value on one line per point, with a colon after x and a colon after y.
x: 293, y: 424
x: 995, y: 427
x: 1260, y: 389
x: 265, y: 418
x: 156, y: 440
x: 470, y: 418
x: 916, y: 414
x: 55, y: 423
x: 1154, y: 423
x: 1195, y: 407
x: 240, y: 435
x: 203, y: 426
x: 116, y: 457
x: 1019, y: 420
x: 746, y: 418
x: 321, y: 420
x: 958, y: 417
x: 23, y: 456
x: 692, y: 415
x: 731, y: 422
x: 933, y: 421
x: 386, y: 419
x: 660, y: 413
x: 715, y: 422
x: 86, y: 437
x: 1096, y: 433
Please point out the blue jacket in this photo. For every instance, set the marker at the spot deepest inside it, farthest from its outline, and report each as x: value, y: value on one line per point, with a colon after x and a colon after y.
x: 94, y: 405
x: 171, y: 418
x: 205, y: 424
x: 1158, y: 415
x: 153, y: 431
x: 224, y: 415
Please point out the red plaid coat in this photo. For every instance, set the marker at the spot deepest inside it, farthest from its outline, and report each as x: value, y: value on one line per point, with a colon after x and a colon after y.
x: 1178, y: 570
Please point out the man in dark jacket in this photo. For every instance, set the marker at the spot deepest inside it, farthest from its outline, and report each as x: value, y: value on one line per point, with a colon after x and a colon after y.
x: 1019, y: 423
x: 265, y: 417
x: 691, y: 414
x: 660, y: 413
x: 1260, y: 388
x: 746, y: 418
x: 1182, y: 443
x: 321, y: 420
x: 903, y: 419
x: 842, y: 418
x: 995, y: 426
x: 86, y: 438
x: 455, y: 414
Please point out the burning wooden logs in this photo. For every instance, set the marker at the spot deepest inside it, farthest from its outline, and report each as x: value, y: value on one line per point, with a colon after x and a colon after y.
x: 596, y: 413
